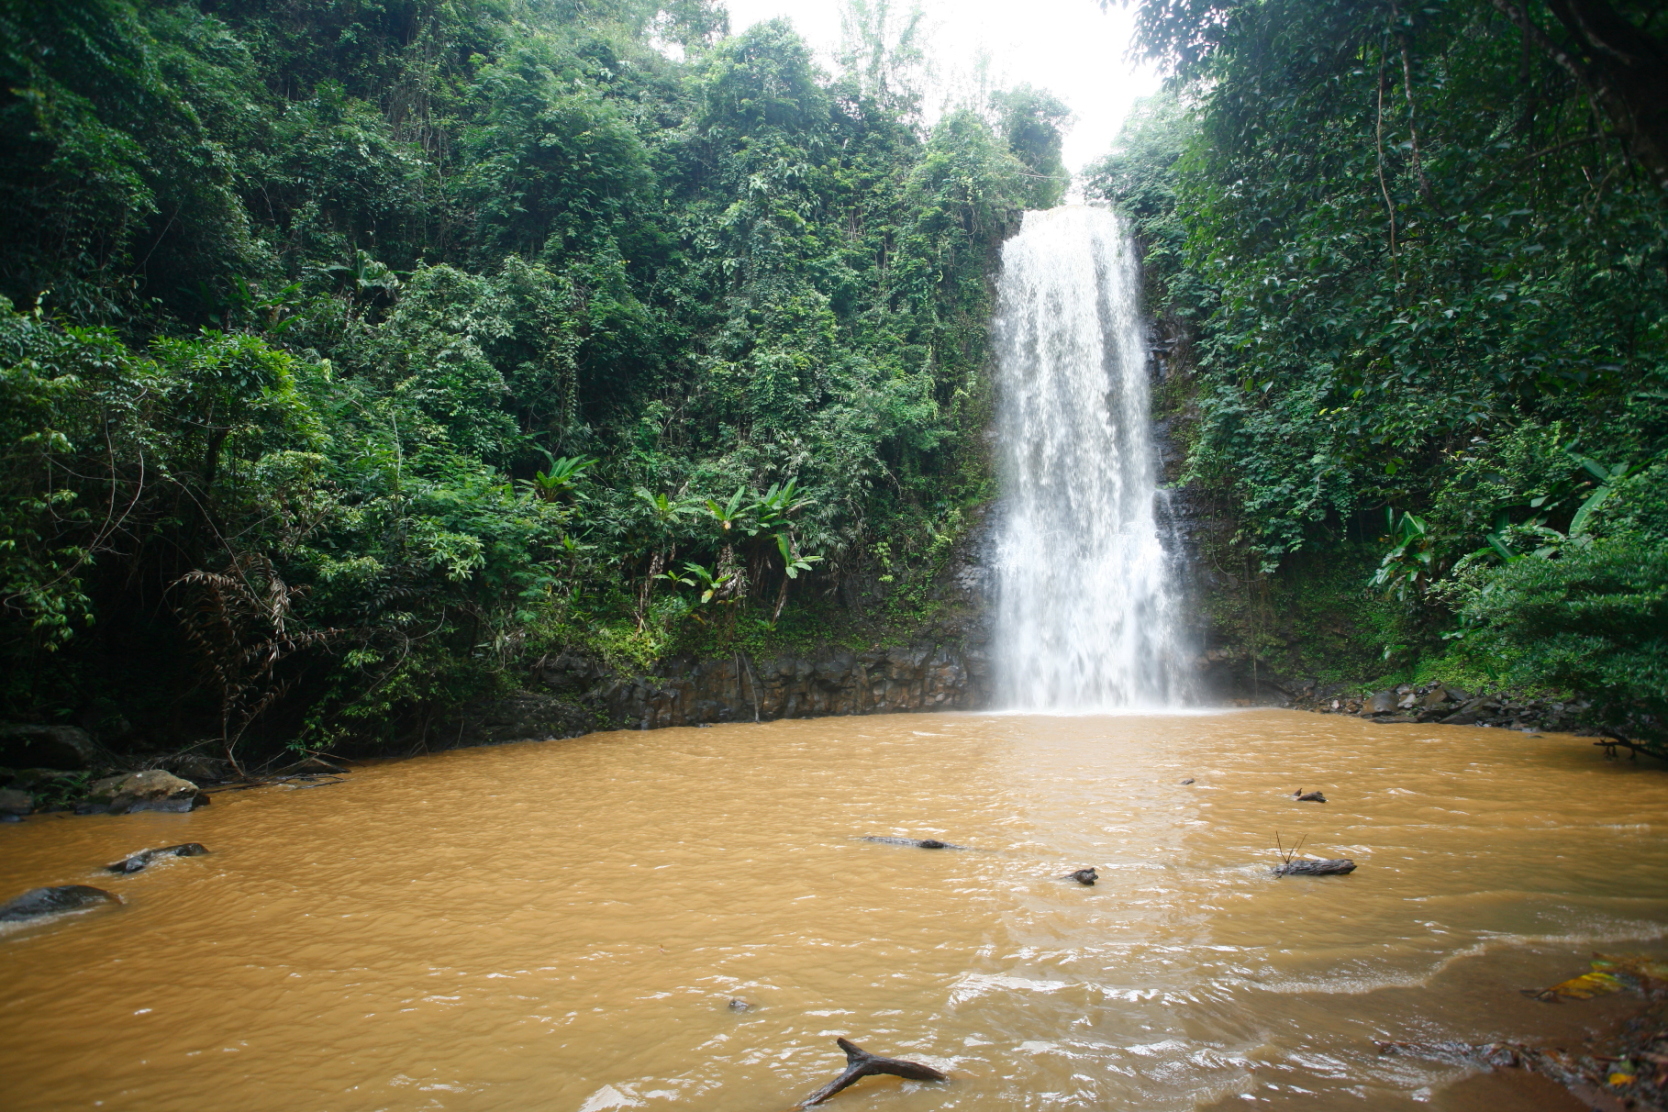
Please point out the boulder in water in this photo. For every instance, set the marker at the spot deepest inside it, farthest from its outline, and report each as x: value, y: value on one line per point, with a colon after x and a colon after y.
x: 1085, y: 877
x: 39, y: 902
x: 144, y: 857
x: 14, y: 802
x: 1308, y: 797
x: 1382, y: 703
x: 152, y: 790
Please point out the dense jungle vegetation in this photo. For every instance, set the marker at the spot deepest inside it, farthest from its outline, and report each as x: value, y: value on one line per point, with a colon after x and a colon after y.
x: 359, y: 350
x: 357, y: 353
x: 1415, y: 260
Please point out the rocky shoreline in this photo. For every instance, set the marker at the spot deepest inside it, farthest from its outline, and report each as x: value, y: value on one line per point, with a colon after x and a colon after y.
x: 1446, y: 705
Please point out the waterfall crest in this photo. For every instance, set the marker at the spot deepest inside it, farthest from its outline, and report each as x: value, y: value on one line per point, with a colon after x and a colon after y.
x: 1086, y: 612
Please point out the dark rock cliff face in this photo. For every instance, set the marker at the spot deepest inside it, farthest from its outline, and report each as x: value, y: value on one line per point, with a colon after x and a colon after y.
x: 942, y: 666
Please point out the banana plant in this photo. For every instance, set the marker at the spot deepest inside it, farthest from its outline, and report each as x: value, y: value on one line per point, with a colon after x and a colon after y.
x: 1411, y: 564
x: 1607, y: 478
x: 561, y: 480
x: 712, y: 585
x: 663, y: 509
x: 772, y: 509
x: 732, y: 515
x: 792, y: 562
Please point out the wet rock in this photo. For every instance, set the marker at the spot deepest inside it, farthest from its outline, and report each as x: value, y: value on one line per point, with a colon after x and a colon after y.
x: 1308, y: 797
x: 201, y: 769
x: 1471, y: 712
x: 1189, y: 780
x: 146, y: 856
x: 38, y: 902
x: 14, y: 802
x: 1382, y: 703
x: 6, y: 816
x: 737, y: 1004
x: 1085, y: 877
x: 151, y: 790
x: 1336, y: 866
x: 27, y: 746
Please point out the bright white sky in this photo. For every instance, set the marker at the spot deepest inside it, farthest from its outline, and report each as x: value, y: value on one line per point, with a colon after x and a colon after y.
x: 1070, y: 47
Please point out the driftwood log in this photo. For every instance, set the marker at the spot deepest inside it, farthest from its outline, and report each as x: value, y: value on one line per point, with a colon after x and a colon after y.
x: 860, y: 1064
x: 1337, y: 866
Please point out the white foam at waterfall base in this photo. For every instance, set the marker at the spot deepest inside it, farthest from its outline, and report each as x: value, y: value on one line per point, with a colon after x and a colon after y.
x: 1086, y: 610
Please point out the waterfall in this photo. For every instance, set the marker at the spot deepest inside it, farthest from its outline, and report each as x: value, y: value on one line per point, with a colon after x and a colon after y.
x: 1086, y: 613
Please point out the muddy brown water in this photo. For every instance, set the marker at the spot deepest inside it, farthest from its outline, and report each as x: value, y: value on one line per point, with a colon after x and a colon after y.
x: 561, y: 926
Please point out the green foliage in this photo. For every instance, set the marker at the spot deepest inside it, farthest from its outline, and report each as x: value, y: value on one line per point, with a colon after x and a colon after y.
x: 1417, y: 285
x: 466, y: 323
x: 1595, y: 620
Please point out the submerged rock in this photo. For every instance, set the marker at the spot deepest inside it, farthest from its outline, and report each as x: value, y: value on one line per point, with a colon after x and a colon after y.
x: 1308, y: 797
x: 1086, y: 877
x: 152, y: 790
x: 921, y: 843
x: 144, y: 857
x: 38, y: 902
x: 737, y: 1004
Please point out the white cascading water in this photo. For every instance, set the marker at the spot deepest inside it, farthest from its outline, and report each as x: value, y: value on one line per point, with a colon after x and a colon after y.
x: 1086, y: 613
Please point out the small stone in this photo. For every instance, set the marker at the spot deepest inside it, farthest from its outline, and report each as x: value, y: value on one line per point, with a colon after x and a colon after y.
x: 1189, y: 780
x: 737, y: 1004
x: 1085, y: 877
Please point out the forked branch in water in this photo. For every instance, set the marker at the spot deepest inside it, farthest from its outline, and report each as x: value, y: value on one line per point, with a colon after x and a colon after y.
x: 860, y: 1064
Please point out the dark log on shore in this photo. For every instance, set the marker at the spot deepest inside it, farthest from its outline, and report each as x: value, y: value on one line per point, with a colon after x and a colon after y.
x: 860, y: 1064
x: 1337, y: 866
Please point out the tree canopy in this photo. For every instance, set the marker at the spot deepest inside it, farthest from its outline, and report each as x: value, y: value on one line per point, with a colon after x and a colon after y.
x: 453, y: 332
